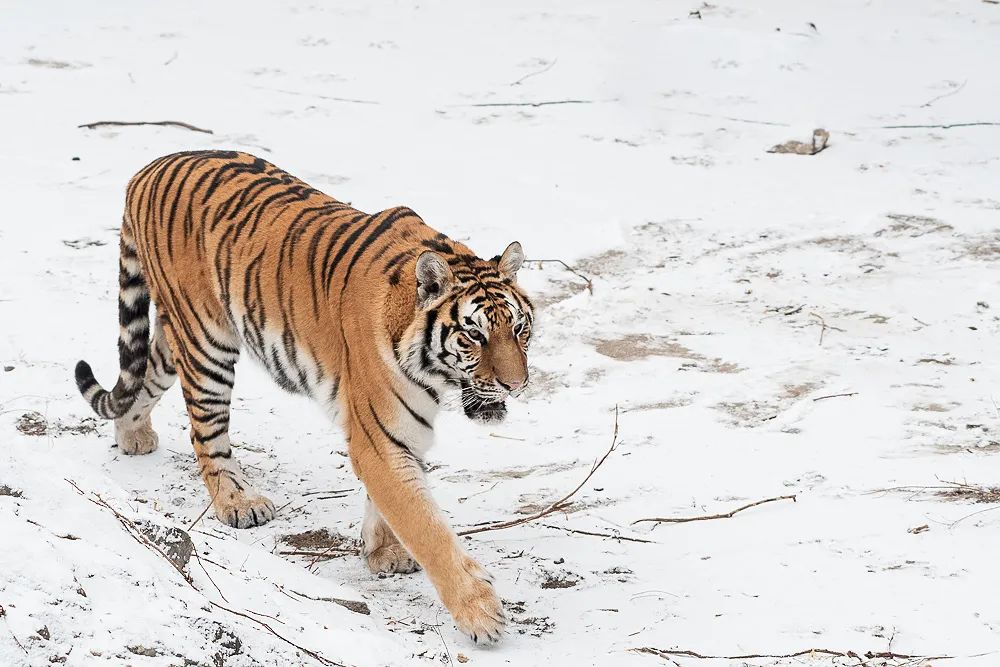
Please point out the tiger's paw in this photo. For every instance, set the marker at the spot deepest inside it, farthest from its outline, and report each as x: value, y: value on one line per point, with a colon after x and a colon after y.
x: 243, y: 509
x: 391, y: 558
x: 477, y: 609
x: 136, y: 439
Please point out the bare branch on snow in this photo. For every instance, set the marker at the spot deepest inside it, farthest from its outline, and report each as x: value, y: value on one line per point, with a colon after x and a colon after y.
x: 124, y: 123
x: 823, y: 398
x: 137, y: 535
x: 558, y: 505
x: 590, y: 283
x: 864, y: 658
x: 535, y: 73
x: 708, y: 517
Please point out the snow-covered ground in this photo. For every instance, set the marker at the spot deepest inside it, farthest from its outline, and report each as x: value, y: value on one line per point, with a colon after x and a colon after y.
x: 732, y: 288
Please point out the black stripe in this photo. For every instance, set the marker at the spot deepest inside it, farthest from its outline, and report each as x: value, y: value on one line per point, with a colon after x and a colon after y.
x: 382, y: 228
x: 420, y: 420
x: 392, y: 438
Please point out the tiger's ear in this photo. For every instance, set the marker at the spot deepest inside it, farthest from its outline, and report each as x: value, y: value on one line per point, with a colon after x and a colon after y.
x: 433, y: 277
x: 510, y: 261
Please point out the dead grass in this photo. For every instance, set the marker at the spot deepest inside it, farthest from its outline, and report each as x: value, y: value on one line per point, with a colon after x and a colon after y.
x: 970, y: 492
x: 985, y: 247
x: 953, y: 491
x: 913, y: 226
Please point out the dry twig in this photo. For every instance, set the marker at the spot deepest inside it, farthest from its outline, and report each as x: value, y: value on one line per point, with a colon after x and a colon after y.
x: 588, y: 281
x: 822, y: 398
x: 708, y: 517
x: 824, y: 326
x: 3, y: 614
x: 535, y: 73
x: 437, y: 629
x: 869, y: 655
x: 939, y: 127
x: 327, y: 554
x: 507, y: 437
x: 557, y: 505
x: 210, y: 503
x: 125, y: 123
x: 348, y: 100
x: 592, y: 534
x: 954, y: 91
x: 197, y: 557
x: 547, y: 103
x: 137, y: 535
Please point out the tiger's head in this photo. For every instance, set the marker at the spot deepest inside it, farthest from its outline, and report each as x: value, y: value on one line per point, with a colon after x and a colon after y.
x: 472, y: 328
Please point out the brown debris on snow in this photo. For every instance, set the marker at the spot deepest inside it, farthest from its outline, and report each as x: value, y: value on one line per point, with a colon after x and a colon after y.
x: 819, y: 141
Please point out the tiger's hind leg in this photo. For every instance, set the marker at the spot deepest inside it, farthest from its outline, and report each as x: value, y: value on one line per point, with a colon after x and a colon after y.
x: 134, y: 430
x: 206, y: 368
x: 380, y: 547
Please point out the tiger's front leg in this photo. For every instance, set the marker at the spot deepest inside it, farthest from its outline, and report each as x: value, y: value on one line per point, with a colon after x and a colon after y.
x: 395, y: 483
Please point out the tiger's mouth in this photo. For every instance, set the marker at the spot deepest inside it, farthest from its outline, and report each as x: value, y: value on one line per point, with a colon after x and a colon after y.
x: 480, y: 408
x: 487, y: 412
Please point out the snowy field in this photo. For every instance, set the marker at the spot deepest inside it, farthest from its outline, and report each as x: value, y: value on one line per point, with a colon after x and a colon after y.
x: 823, y: 326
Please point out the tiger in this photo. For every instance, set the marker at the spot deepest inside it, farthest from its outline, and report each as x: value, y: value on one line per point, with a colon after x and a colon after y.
x: 373, y: 316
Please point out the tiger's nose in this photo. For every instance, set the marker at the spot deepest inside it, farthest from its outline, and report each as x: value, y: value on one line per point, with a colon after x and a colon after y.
x: 512, y: 385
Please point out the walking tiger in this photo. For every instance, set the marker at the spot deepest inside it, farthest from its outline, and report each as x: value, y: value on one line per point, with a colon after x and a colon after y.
x: 373, y: 316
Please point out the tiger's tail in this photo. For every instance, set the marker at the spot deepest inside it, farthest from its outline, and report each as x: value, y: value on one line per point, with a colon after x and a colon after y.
x: 133, y: 338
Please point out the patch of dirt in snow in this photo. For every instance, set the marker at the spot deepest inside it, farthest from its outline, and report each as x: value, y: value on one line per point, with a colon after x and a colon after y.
x: 679, y: 402
x: 320, y: 540
x: 35, y: 424
x: 632, y: 347
x: 559, y: 580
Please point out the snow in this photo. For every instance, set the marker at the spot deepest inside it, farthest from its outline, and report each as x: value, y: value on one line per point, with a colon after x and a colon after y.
x: 714, y: 267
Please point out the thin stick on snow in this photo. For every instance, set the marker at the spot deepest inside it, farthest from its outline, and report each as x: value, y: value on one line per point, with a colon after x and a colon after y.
x: 211, y: 500
x: 956, y: 91
x: 437, y: 629
x: 824, y: 326
x: 126, y: 123
x: 3, y: 615
x: 593, y: 534
x: 327, y: 554
x: 709, y: 517
x: 940, y: 127
x: 823, y: 398
x: 863, y: 657
x: 507, y: 437
x: 536, y: 73
x: 546, y: 103
x: 197, y: 557
x: 590, y: 283
x: 137, y: 535
x: 558, y: 505
x: 165, y: 123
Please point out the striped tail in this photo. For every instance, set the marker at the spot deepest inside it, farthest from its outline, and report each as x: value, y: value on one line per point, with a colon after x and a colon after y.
x: 133, y: 339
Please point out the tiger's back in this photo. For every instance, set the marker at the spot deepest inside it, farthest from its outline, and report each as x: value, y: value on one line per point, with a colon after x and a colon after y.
x: 232, y: 241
